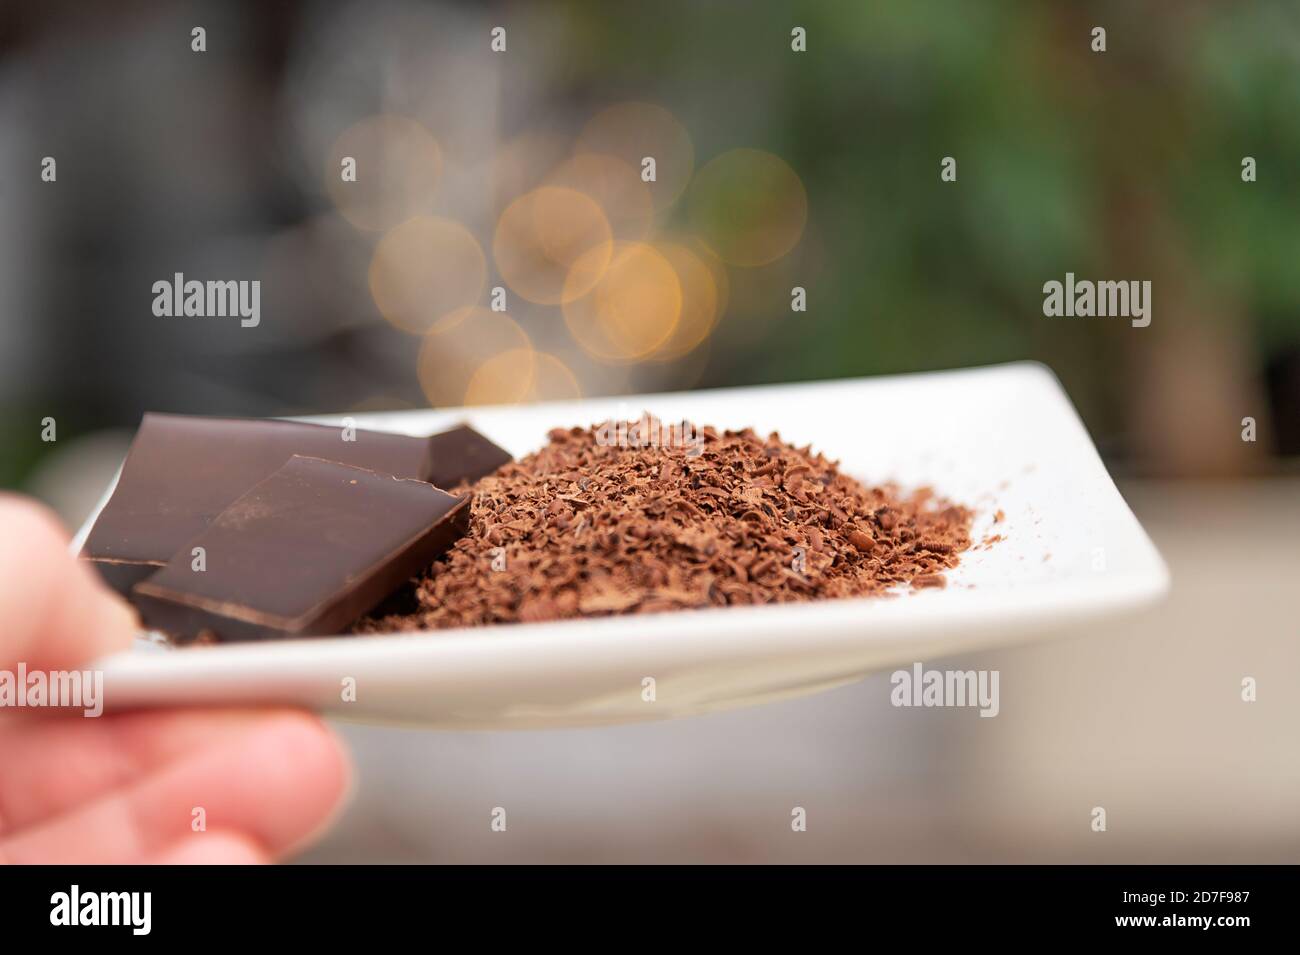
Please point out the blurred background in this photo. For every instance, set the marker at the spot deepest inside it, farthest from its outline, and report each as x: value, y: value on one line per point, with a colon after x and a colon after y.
x: 504, y: 240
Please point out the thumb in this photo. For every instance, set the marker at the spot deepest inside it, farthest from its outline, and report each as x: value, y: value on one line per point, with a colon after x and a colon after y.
x: 55, y: 613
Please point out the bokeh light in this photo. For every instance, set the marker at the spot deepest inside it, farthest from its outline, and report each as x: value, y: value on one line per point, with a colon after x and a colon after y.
x: 700, y: 309
x: 425, y: 269
x: 504, y: 379
x: 521, y: 376
x: 398, y: 165
x: 553, y: 380
x: 633, y: 131
x: 457, y: 347
x: 749, y: 205
x: 632, y: 310
x: 552, y: 245
x: 615, y: 186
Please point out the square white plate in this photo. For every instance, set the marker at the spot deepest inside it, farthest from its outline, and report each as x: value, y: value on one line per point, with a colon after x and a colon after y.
x: 995, y: 438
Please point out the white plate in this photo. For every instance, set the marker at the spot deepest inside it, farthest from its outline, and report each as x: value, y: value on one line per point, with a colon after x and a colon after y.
x: 995, y: 438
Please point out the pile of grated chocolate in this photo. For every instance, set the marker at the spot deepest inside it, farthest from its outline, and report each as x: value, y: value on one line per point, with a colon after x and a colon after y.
x: 602, y: 521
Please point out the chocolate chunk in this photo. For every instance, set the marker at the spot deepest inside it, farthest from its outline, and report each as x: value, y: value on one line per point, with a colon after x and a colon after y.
x: 461, y: 454
x: 183, y: 470
x: 306, y: 551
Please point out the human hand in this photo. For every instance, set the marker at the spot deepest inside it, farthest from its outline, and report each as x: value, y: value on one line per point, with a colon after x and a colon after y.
x: 125, y: 788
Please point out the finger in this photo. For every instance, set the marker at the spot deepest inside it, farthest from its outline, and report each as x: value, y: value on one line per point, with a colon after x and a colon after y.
x: 52, y: 765
x: 57, y: 613
x: 278, y: 785
x: 212, y: 848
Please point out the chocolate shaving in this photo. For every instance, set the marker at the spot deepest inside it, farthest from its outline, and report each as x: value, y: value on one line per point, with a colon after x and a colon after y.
x: 583, y: 529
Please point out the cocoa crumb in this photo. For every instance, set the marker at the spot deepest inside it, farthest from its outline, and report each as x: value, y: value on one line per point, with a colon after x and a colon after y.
x: 929, y: 580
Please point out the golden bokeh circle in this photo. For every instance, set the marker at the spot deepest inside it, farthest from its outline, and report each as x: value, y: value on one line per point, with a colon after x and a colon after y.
x: 750, y: 206
x: 542, y: 237
x: 424, y: 269
x: 398, y: 165
x: 520, y: 376
x: 504, y: 379
x: 615, y: 186
x: 700, y: 301
x: 632, y: 309
x: 633, y: 131
x: 457, y: 347
x: 553, y: 380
